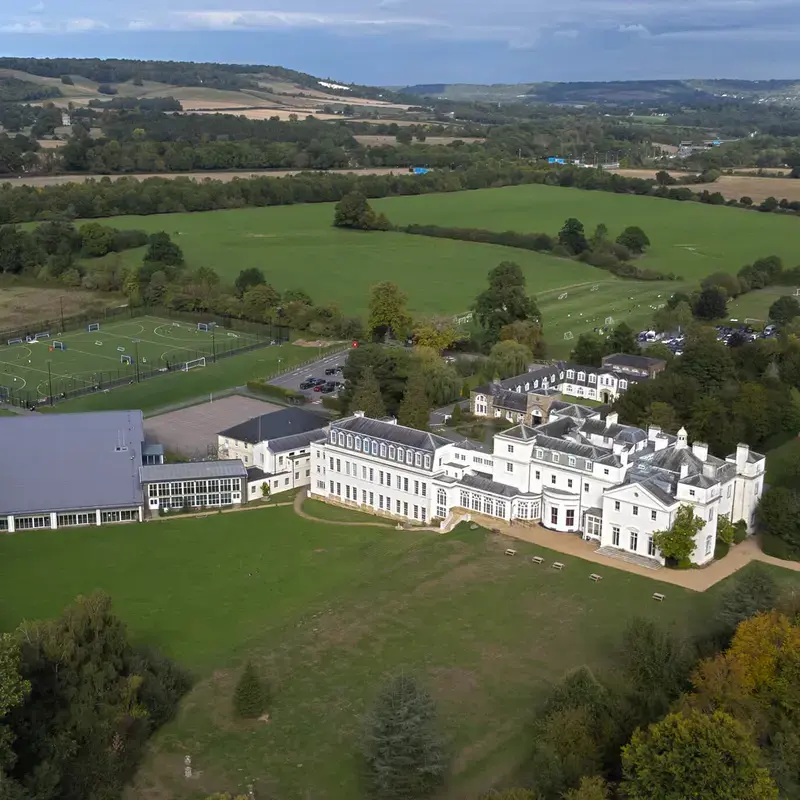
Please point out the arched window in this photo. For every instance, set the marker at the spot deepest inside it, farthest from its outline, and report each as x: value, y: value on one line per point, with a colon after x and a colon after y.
x: 409, y: 456
x: 349, y: 442
x: 358, y: 442
x: 383, y: 450
x: 374, y: 448
x: 391, y: 451
x: 441, y: 497
x: 427, y: 462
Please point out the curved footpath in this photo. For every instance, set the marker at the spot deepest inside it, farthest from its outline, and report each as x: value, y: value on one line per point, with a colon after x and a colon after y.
x: 698, y: 580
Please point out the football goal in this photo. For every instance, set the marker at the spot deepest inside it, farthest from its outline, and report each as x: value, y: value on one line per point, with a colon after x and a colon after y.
x: 94, y: 326
x: 15, y: 341
x: 609, y: 321
x: 59, y: 345
x: 42, y: 335
x: 568, y: 335
x: 595, y: 287
x: 206, y: 326
x: 195, y: 362
x: 126, y: 359
x: 563, y: 296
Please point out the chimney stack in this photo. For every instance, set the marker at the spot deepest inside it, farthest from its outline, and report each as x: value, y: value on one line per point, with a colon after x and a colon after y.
x: 653, y: 432
x: 700, y: 449
x: 612, y: 419
x: 682, y: 439
x: 684, y: 471
x: 742, y: 456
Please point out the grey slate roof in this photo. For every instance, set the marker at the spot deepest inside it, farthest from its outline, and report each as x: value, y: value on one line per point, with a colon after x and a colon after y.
x: 574, y: 410
x: 619, y: 433
x: 193, y: 470
x: 70, y: 462
x: 275, y: 425
x: 389, y: 432
x: 297, y: 441
x: 637, y: 362
x: 483, y: 483
x: 524, y: 432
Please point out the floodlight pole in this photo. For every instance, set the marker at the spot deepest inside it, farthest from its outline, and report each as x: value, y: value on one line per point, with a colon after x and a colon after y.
x: 213, y: 345
x: 50, y: 382
x: 61, y: 301
x: 136, y: 355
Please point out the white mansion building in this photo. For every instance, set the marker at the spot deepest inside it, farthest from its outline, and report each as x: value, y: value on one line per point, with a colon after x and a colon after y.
x: 580, y: 472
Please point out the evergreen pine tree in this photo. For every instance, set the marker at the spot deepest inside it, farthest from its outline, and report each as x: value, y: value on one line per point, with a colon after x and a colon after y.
x: 250, y: 696
x: 404, y: 756
x: 415, y: 407
x: 367, y: 396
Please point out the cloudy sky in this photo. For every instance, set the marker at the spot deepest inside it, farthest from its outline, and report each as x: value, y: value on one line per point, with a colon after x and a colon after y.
x: 431, y: 41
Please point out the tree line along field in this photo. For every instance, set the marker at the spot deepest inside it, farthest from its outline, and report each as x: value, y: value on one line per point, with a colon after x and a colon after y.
x: 326, y: 613
x: 297, y: 247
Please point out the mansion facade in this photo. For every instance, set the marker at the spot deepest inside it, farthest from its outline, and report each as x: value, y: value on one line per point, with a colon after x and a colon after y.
x: 527, y: 398
x: 580, y: 472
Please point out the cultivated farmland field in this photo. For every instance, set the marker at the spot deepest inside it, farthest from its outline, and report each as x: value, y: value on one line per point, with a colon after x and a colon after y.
x: 326, y: 612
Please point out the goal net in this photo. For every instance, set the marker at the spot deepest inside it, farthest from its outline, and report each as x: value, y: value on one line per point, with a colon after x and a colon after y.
x: 95, y: 326
x: 205, y: 326
x: 126, y: 359
x: 609, y: 321
x: 568, y: 335
x: 59, y: 345
x: 563, y: 296
x: 196, y: 362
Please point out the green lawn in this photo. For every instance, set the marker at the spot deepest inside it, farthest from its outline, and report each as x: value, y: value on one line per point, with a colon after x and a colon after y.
x: 689, y: 239
x: 297, y: 247
x: 756, y: 305
x: 326, y: 612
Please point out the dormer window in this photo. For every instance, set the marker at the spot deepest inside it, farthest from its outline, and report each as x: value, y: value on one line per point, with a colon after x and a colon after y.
x: 593, y: 379
x: 556, y: 458
x: 383, y: 450
x: 391, y: 451
x: 588, y: 465
x: 375, y: 448
x: 417, y: 459
x: 358, y: 442
x: 427, y: 462
x: 623, y: 384
x: 581, y: 376
x: 409, y: 456
x: 333, y: 438
x: 527, y: 387
x: 570, y: 374
x: 539, y: 453
x: 349, y: 442
x: 536, y: 384
x: 572, y: 461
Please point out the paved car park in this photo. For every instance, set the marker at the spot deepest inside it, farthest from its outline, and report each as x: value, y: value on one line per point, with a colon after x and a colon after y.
x: 326, y: 370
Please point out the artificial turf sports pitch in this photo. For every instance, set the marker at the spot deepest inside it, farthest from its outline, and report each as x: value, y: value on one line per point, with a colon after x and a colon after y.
x: 118, y: 350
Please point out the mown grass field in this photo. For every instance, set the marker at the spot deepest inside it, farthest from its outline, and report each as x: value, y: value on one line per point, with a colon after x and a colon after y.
x: 296, y: 245
x: 689, y: 239
x: 327, y: 612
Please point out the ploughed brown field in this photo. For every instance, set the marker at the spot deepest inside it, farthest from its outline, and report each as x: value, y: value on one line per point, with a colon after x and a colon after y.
x: 736, y: 186
x: 53, y: 180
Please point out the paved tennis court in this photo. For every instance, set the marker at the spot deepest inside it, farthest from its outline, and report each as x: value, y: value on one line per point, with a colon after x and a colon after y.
x: 192, y: 432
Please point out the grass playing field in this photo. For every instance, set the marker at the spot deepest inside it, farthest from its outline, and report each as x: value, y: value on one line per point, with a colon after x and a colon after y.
x: 296, y: 246
x: 689, y: 239
x: 65, y: 362
x: 326, y: 612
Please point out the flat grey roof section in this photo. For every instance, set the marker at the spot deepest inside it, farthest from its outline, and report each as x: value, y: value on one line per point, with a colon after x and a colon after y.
x: 70, y: 462
x: 193, y: 470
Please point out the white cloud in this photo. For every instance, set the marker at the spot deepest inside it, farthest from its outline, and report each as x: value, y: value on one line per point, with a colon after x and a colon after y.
x: 227, y: 20
x: 567, y: 33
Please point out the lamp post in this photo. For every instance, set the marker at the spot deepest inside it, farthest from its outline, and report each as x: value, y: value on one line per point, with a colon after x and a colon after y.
x: 213, y: 345
x: 61, y: 302
x: 136, y: 356
x: 50, y: 381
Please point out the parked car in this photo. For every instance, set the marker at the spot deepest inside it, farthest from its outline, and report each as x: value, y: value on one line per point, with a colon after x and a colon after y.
x: 307, y: 384
x: 318, y: 381
x: 326, y: 389
x: 319, y: 387
x: 331, y: 370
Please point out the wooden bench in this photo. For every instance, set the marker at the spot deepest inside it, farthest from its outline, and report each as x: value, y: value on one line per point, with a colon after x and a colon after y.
x: 595, y: 577
x: 537, y: 559
x: 558, y: 565
x: 658, y: 596
x: 511, y: 552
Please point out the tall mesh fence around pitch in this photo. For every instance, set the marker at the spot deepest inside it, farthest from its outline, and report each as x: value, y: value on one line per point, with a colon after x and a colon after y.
x: 66, y: 387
